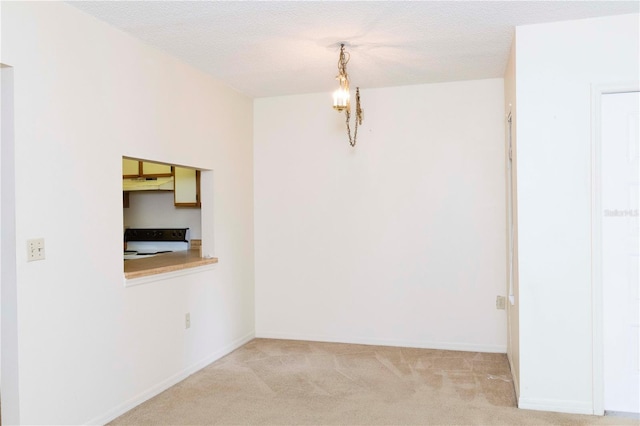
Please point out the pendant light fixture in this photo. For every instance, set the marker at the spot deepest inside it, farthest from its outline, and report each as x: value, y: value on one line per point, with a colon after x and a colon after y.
x: 341, y: 97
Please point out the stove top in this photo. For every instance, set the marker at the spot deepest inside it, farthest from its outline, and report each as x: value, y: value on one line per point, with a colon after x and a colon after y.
x: 156, y: 234
x: 142, y: 243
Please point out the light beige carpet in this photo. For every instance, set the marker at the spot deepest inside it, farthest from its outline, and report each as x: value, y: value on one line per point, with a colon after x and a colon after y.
x: 282, y: 382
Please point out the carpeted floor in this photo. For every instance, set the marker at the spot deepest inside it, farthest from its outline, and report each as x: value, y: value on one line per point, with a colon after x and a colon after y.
x: 283, y: 382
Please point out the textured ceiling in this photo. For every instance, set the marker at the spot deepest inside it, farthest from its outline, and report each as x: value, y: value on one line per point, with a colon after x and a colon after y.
x: 272, y: 48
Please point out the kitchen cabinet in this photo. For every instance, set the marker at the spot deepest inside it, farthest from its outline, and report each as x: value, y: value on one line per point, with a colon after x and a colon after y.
x: 186, y: 187
x: 155, y: 169
x: 134, y: 168
x: 130, y: 168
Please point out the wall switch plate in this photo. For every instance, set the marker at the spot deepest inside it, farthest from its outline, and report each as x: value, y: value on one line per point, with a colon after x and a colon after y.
x: 500, y: 302
x: 35, y: 249
x: 187, y: 320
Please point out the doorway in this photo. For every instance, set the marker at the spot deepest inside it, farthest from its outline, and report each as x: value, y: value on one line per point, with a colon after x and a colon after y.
x: 617, y: 243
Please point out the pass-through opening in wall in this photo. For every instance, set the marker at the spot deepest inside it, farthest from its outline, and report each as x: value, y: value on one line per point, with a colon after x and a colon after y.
x: 163, y: 201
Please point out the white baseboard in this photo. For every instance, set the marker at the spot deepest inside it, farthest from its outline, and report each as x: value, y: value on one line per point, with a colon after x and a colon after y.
x: 167, y: 383
x: 555, y: 405
x: 622, y: 414
x: 454, y: 346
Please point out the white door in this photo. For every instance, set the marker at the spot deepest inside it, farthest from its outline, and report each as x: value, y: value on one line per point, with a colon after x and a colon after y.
x: 620, y: 250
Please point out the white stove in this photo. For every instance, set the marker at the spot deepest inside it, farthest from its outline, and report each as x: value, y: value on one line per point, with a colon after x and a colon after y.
x: 142, y: 243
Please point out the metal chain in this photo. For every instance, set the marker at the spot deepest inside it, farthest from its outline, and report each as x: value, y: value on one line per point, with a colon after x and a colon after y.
x: 352, y: 141
x: 342, y: 62
x: 344, y: 85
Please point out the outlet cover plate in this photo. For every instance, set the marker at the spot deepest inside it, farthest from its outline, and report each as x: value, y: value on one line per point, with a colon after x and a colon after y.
x: 35, y: 249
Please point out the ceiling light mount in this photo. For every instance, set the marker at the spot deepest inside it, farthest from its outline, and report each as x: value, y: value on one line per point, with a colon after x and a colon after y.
x: 341, y: 97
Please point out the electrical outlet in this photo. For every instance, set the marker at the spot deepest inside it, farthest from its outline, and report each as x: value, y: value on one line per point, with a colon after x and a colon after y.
x: 35, y: 249
x: 187, y: 320
x: 500, y: 302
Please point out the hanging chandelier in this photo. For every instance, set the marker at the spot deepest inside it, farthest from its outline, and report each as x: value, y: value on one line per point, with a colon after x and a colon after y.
x: 341, y: 97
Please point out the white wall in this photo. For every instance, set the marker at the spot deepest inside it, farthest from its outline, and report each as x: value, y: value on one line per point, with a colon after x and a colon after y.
x: 85, y: 95
x: 398, y: 241
x: 556, y: 65
x: 155, y: 209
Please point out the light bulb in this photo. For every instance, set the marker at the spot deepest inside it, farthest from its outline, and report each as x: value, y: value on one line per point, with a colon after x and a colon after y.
x: 340, y: 99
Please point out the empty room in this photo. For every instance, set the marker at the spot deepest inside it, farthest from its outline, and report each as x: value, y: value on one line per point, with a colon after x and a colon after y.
x: 332, y: 212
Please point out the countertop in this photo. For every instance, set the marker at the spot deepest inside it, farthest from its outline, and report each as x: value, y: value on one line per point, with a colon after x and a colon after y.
x: 166, y: 262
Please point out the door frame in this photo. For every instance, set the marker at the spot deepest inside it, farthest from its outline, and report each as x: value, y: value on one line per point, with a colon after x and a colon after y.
x: 597, y: 91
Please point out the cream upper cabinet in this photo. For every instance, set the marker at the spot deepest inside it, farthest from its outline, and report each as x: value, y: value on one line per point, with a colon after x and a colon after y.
x: 186, y: 187
x: 130, y: 167
x: 155, y: 169
x: 134, y: 168
x: 185, y: 183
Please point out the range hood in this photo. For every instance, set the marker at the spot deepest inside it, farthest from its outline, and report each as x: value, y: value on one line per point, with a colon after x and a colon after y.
x: 148, y: 184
